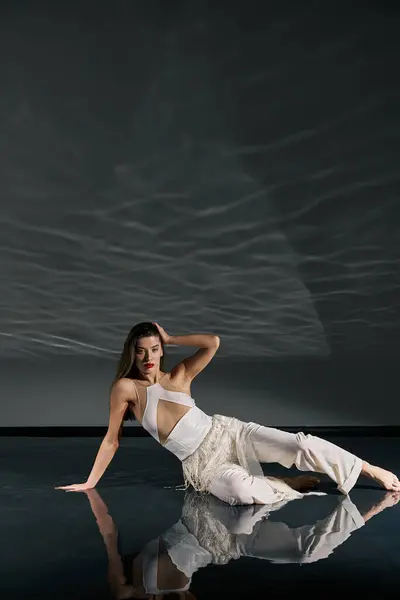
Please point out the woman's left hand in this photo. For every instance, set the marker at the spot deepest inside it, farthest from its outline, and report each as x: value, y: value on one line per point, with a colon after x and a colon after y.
x: 163, y: 334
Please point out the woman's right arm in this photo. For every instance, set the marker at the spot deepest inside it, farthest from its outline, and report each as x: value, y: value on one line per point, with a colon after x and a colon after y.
x: 121, y: 393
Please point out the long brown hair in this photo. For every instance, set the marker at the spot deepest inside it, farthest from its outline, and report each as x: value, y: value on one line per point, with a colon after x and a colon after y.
x: 126, y: 365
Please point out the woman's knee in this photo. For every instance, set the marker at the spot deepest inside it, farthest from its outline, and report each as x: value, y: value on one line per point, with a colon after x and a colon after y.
x: 308, y: 447
x: 303, y: 441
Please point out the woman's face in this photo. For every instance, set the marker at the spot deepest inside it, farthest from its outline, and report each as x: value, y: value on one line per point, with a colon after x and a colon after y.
x: 148, y: 354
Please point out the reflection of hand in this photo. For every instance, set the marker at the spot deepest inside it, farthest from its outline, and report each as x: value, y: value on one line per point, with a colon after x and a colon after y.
x: 75, y: 487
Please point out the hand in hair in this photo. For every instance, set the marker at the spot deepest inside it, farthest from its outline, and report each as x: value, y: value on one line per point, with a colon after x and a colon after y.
x: 163, y: 334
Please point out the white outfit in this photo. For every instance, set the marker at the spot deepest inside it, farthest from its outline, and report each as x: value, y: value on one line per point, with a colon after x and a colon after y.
x: 150, y: 570
x: 208, y: 533
x: 188, y: 433
x: 222, y: 455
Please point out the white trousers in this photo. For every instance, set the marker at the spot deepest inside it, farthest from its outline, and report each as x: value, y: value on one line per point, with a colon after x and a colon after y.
x: 244, y: 531
x: 235, y: 485
x: 277, y: 542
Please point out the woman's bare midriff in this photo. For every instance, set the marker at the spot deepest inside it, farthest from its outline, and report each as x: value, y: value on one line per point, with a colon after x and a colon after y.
x: 168, y: 417
x: 168, y: 413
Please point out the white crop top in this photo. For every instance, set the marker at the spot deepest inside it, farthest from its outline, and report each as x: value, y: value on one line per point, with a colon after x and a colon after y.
x: 190, y: 430
x: 150, y: 571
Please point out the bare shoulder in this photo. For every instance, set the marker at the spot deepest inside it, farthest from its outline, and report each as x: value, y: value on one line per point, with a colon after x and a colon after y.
x: 179, y: 378
x: 124, y: 389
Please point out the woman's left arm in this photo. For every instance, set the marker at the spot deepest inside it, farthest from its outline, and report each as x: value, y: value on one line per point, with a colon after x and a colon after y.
x: 201, y: 340
x: 193, y: 365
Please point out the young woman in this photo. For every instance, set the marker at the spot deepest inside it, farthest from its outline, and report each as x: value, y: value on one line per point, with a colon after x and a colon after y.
x: 220, y: 455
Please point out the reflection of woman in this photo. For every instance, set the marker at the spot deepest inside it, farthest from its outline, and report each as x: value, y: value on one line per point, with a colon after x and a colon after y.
x: 153, y: 574
x: 228, y: 532
x: 219, y: 454
x: 210, y: 532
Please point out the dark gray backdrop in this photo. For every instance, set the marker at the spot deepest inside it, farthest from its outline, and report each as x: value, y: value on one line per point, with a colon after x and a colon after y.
x: 219, y: 167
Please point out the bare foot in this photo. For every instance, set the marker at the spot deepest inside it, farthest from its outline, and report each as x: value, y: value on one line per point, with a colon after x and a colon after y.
x: 301, y: 482
x: 390, y: 499
x: 385, y: 478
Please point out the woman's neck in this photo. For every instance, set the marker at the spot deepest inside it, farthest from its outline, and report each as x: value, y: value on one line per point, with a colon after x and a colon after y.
x: 152, y: 379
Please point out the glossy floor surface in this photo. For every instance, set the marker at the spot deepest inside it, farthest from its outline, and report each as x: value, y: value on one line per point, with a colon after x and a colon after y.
x: 139, y: 531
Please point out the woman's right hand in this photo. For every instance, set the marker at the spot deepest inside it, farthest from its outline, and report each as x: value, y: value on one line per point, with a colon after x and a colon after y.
x: 75, y: 487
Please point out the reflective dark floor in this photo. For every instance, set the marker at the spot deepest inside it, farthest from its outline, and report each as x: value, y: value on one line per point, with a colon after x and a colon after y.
x: 139, y: 534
